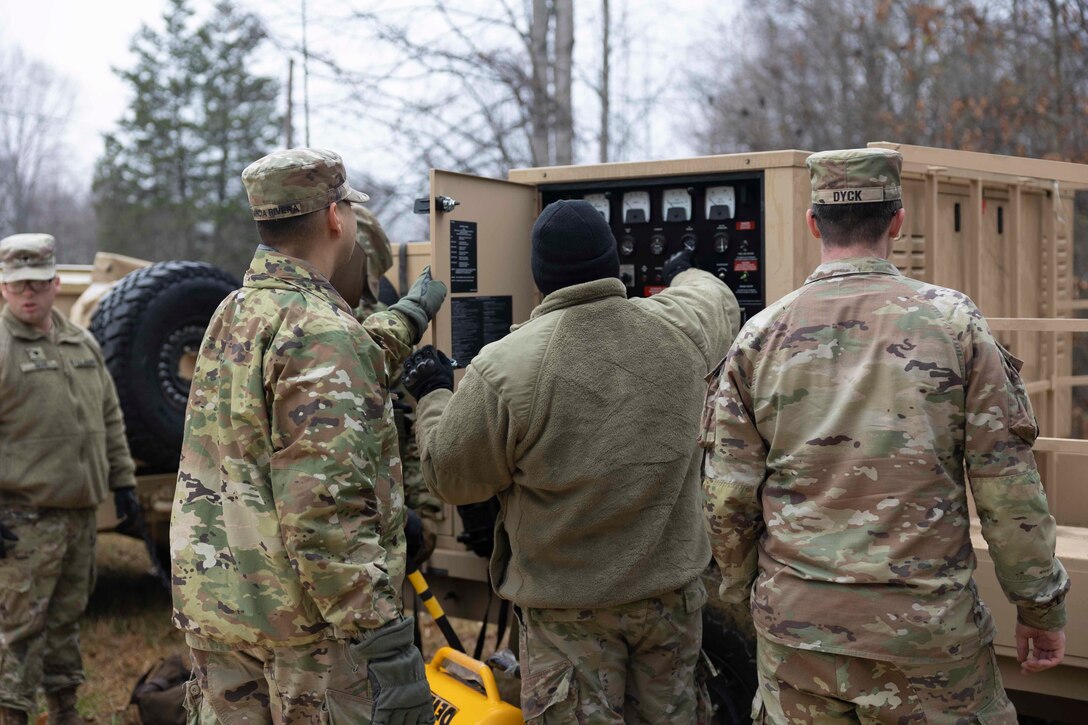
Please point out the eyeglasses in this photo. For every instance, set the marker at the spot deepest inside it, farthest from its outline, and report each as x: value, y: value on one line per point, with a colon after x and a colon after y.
x: 34, y: 285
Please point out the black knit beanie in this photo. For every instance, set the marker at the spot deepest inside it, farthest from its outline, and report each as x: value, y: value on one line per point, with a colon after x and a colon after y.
x: 572, y: 243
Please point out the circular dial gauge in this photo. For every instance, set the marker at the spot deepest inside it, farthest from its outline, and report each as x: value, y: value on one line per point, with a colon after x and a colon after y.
x: 721, y: 202
x: 657, y: 244
x: 636, y: 207
x: 688, y: 242
x: 600, y: 203
x: 676, y: 205
x: 721, y: 242
x: 627, y: 246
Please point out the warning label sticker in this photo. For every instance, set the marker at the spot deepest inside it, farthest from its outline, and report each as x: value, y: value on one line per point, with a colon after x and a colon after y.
x: 746, y: 265
x: 745, y: 226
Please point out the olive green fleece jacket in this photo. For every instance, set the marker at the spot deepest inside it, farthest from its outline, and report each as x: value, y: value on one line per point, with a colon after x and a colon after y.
x: 62, y: 435
x: 584, y: 421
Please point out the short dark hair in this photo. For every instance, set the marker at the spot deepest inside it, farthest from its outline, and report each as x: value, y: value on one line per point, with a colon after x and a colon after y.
x: 288, y: 230
x: 848, y: 225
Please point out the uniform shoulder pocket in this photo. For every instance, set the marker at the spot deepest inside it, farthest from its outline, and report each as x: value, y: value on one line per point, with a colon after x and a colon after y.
x: 707, y: 433
x: 1021, y: 417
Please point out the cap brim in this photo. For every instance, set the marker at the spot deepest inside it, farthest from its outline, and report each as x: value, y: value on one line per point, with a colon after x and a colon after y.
x: 29, y: 273
x: 356, y: 197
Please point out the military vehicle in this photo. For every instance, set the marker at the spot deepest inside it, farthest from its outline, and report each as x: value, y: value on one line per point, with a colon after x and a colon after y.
x: 1002, y: 229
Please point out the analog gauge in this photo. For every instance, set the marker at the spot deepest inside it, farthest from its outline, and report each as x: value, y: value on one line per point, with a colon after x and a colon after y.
x: 657, y: 244
x: 721, y: 242
x: 627, y: 246
x: 688, y: 242
x: 600, y: 203
x: 721, y: 202
x: 676, y: 205
x: 636, y: 207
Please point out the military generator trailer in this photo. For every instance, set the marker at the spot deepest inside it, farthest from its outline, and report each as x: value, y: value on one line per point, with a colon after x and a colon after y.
x: 1001, y: 229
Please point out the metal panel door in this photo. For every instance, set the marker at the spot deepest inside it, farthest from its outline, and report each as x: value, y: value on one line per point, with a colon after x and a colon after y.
x: 480, y: 249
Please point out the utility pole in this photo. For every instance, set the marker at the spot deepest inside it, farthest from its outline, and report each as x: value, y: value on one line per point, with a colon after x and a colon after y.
x: 305, y: 75
x: 288, y: 120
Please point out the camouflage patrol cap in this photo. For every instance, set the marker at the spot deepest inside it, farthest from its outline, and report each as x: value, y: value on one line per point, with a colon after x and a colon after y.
x: 855, y: 176
x: 27, y: 256
x: 296, y: 182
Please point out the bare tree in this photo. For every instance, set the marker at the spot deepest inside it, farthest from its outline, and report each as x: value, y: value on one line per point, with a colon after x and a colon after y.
x: 39, y: 192
x: 1004, y: 76
x: 35, y: 107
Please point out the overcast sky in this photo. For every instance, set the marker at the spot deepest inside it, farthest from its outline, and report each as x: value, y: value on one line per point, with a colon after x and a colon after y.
x: 84, y: 40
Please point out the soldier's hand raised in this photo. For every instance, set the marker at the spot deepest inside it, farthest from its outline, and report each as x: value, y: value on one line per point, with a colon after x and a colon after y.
x: 1038, y: 649
x: 6, y: 535
x: 422, y: 302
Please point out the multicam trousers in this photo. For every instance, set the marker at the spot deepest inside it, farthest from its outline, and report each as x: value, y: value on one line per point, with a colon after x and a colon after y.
x: 320, y: 683
x: 45, y: 583
x: 816, y: 688
x: 632, y: 663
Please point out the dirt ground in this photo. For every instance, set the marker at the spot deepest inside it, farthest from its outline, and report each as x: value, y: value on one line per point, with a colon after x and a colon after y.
x: 127, y: 630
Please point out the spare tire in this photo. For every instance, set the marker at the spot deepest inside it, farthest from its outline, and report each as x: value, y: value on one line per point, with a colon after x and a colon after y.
x: 150, y: 326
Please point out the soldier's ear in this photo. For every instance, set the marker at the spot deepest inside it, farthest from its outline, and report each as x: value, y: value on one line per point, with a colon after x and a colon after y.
x: 897, y: 223
x: 811, y: 221
x: 332, y: 219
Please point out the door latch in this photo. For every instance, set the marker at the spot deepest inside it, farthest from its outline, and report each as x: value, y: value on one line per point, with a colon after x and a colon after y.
x: 441, y: 203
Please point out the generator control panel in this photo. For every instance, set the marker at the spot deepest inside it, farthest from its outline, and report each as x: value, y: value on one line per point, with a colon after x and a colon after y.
x: 720, y: 218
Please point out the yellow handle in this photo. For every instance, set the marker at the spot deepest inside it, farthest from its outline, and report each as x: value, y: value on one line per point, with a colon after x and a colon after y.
x: 487, y: 677
x: 431, y: 603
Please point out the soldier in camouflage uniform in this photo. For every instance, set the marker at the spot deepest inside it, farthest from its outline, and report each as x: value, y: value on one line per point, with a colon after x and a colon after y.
x: 378, y: 260
x: 287, y: 538
x: 583, y: 422
x: 62, y: 451
x: 841, y: 432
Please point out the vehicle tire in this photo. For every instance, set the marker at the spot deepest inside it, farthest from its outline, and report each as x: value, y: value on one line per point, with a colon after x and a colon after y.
x: 150, y: 326
x: 729, y: 642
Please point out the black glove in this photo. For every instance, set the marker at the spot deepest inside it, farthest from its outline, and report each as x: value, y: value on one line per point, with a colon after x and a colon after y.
x: 7, y: 534
x: 419, y: 540
x: 427, y: 370
x: 675, y: 264
x: 126, y: 505
x: 422, y: 302
x: 397, y: 678
x: 413, y: 534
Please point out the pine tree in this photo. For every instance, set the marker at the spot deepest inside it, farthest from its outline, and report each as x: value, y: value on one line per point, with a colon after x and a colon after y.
x: 168, y: 183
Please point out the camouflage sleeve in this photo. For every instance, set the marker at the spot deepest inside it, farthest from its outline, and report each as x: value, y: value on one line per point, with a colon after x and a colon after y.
x: 703, y: 308
x: 328, y: 477
x: 466, y: 441
x: 734, y: 467
x: 1009, y: 496
x: 122, y: 468
x: 394, y: 335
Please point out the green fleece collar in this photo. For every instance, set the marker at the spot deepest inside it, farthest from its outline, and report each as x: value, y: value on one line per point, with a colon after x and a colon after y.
x: 579, y: 294
x: 272, y: 270
x: 66, y: 331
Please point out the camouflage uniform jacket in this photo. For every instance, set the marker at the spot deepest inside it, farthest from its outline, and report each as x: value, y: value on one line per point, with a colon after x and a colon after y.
x: 289, y: 511
x: 838, y: 431
x: 583, y: 422
x: 62, y: 435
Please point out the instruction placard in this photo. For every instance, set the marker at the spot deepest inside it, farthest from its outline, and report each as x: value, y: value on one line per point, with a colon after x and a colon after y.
x: 477, y: 321
x: 464, y: 276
